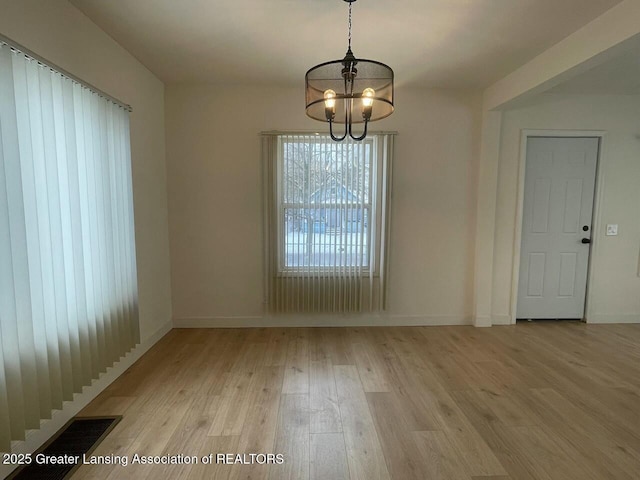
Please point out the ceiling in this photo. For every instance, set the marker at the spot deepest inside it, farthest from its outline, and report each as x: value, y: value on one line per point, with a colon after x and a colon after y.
x: 430, y: 43
x: 617, y: 76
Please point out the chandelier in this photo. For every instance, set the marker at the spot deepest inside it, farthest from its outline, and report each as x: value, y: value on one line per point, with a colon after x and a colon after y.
x: 349, y: 91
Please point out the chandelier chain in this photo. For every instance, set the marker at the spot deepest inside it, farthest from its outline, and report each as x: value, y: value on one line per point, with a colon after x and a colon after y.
x: 350, y: 3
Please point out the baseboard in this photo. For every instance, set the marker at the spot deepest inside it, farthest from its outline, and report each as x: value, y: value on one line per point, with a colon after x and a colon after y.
x: 327, y: 320
x: 488, y: 321
x: 613, y: 318
x: 35, y: 438
x: 501, y: 320
x: 482, y: 321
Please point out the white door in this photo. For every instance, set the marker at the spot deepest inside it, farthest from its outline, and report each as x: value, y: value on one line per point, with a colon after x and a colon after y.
x: 556, y: 226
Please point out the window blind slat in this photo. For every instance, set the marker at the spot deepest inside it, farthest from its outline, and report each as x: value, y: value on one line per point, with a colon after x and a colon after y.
x: 93, y: 151
x: 30, y: 144
x: 84, y: 151
x: 10, y: 342
x: 102, y: 176
x: 20, y: 308
x: 56, y: 259
x: 65, y: 153
x: 77, y: 290
x: 109, y: 230
x: 118, y: 227
x: 130, y: 235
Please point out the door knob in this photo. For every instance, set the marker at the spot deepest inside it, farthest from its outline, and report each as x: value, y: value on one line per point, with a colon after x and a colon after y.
x: 586, y: 240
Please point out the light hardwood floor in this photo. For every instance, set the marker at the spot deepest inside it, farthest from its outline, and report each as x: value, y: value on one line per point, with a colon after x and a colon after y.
x: 558, y: 400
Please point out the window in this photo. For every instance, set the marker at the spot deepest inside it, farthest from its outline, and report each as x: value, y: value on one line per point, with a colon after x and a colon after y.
x: 327, y: 211
x: 68, y: 286
x: 325, y: 195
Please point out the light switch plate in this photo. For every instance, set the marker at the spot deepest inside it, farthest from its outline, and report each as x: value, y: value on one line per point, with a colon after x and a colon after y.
x: 612, y: 230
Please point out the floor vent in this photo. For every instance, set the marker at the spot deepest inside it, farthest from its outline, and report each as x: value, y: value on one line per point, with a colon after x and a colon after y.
x: 77, y: 438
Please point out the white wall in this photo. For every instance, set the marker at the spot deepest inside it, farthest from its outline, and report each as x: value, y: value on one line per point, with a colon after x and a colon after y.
x: 615, y: 285
x: 215, y: 199
x: 57, y: 31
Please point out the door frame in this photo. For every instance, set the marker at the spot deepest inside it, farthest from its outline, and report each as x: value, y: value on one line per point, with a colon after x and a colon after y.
x: 525, y: 134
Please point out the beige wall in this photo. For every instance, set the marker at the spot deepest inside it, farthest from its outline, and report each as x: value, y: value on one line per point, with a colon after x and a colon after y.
x: 215, y: 198
x: 615, y: 285
x: 60, y: 33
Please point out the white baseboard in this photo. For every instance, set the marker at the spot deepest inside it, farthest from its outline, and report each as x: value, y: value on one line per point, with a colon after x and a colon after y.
x: 613, y: 318
x: 501, y: 320
x: 488, y: 321
x: 482, y: 321
x: 326, y: 320
x: 35, y: 438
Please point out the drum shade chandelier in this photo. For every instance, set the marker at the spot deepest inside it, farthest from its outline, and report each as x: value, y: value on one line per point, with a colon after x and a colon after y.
x: 349, y: 91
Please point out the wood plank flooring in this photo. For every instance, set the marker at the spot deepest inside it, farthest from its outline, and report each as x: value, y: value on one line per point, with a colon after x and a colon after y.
x: 550, y: 400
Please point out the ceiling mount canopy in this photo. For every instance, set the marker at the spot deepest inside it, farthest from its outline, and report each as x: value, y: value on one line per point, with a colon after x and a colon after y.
x: 349, y: 91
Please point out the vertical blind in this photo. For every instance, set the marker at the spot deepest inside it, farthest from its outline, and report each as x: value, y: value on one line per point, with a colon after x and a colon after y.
x: 68, y: 283
x: 326, y: 219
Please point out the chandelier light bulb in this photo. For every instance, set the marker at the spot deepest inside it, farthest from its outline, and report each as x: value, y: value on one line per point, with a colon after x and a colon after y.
x: 330, y: 99
x: 367, y: 97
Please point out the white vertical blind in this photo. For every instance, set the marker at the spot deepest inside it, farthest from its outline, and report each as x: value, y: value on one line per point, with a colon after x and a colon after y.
x: 68, y: 287
x: 326, y: 213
